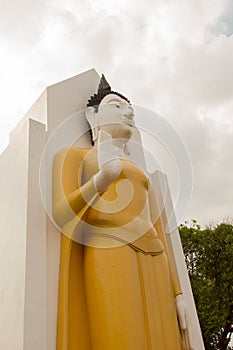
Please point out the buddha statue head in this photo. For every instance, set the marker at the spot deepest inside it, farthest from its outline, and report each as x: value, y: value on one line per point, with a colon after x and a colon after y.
x: 109, y: 111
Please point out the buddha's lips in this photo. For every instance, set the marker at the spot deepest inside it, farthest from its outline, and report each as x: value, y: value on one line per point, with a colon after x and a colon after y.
x: 128, y: 121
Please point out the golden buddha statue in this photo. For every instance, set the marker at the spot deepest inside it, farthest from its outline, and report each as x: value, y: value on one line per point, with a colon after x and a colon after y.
x: 118, y: 289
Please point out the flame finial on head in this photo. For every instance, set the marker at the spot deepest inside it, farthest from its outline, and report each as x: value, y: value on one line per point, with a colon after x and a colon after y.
x: 104, y: 89
x: 103, y: 85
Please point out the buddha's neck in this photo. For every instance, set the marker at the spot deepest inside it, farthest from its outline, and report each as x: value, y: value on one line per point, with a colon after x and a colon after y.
x: 119, y: 143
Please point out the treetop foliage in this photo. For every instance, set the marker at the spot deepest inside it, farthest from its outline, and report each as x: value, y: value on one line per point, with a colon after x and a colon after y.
x: 209, y: 259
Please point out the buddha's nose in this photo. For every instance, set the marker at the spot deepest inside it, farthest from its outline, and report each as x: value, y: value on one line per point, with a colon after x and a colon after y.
x: 129, y: 112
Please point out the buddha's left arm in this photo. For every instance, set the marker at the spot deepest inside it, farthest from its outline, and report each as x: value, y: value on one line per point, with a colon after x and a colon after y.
x: 71, y: 198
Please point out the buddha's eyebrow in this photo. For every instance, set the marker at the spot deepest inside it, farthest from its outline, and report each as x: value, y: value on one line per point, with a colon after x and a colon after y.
x: 115, y: 100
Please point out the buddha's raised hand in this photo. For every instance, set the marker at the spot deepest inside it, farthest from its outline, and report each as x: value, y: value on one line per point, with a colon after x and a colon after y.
x: 108, y: 161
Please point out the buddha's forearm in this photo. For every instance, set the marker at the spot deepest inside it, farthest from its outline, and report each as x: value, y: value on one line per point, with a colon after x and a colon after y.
x: 70, y: 205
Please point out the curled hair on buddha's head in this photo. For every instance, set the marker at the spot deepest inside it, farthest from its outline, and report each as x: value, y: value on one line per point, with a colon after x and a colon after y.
x: 104, y: 89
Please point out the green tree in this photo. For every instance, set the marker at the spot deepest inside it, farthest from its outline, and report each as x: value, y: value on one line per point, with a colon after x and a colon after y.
x: 209, y: 258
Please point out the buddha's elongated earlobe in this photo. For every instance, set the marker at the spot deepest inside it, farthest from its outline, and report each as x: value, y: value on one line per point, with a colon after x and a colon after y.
x: 95, y: 134
x: 126, y: 149
x: 90, y: 116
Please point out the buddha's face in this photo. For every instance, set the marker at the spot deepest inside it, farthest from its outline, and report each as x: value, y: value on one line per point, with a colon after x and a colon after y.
x: 115, y: 116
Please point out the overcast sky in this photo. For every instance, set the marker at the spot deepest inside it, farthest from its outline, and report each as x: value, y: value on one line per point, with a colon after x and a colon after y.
x: 172, y: 56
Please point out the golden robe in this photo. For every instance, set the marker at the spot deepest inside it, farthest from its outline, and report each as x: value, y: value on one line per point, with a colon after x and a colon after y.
x: 117, y: 288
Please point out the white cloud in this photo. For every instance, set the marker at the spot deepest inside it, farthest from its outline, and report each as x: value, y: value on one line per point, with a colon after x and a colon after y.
x: 20, y: 21
x: 224, y: 23
x: 166, y: 55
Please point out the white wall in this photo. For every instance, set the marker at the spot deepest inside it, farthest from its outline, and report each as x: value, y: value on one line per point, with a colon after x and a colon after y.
x: 35, y: 318
x: 175, y: 246
x: 13, y: 218
x: 23, y: 273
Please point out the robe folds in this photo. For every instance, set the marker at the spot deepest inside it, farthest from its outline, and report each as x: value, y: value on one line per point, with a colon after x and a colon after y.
x: 117, y: 283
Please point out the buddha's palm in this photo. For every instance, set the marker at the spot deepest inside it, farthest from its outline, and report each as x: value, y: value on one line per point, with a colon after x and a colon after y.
x: 108, y: 161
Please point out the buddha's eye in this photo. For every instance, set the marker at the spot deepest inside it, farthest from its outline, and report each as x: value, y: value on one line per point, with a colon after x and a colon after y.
x: 118, y: 106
